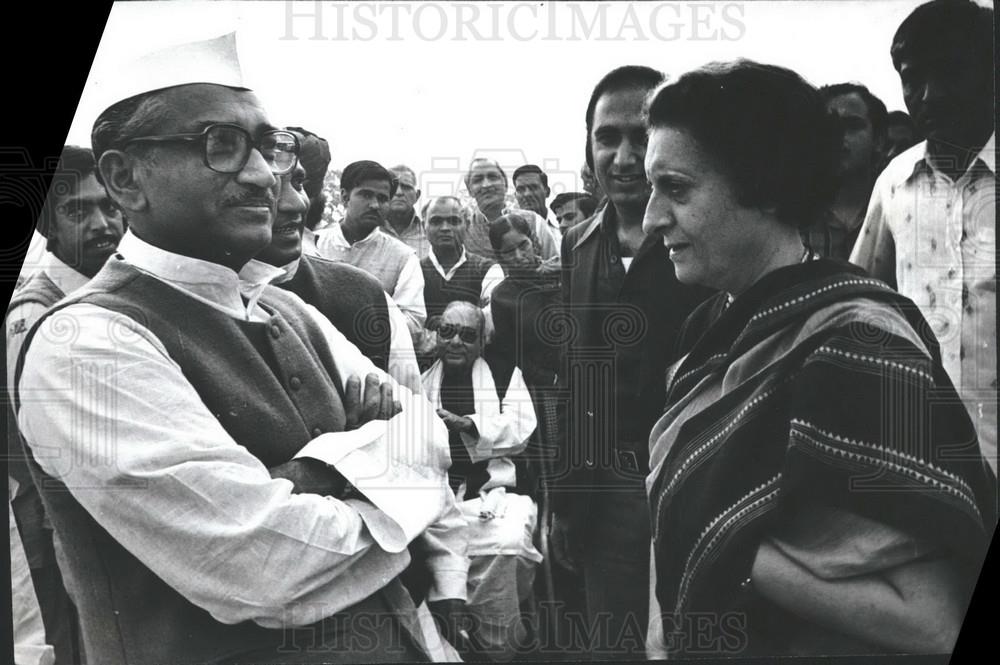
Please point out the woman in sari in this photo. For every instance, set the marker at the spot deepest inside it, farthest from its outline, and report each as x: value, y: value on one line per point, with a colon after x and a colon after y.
x: 816, y: 486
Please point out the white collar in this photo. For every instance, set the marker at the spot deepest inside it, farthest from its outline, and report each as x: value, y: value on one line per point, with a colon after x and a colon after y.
x: 66, y: 278
x: 336, y: 233
x: 907, y: 162
x: 287, y: 271
x: 437, y: 266
x: 211, y: 283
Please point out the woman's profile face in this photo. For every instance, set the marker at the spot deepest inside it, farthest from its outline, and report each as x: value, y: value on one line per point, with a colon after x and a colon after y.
x: 712, y: 240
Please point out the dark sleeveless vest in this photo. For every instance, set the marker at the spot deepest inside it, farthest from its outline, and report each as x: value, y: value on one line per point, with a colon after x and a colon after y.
x: 351, y: 298
x: 459, y: 396
x: 466, y: 284
x: 273, y: 386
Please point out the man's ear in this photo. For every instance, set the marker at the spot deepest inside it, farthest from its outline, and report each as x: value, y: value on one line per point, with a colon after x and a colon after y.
x: 419, y: 194
x: 344, y: 195
x: 118, y: 172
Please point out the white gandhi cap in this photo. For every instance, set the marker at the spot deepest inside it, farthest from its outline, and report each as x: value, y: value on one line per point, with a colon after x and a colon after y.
x: 209, y: 61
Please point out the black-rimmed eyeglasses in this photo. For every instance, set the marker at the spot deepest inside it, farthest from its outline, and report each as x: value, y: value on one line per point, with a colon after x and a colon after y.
x: 226, y: 148
x: 467, y: 334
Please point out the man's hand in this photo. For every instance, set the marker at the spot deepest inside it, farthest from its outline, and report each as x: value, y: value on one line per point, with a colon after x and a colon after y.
x: 565, y: 548
x: 456, y: 423
x: 377, y: 403
x: 311, y: 476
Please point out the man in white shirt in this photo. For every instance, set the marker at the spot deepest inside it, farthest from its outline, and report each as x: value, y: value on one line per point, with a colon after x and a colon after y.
x: 242, y: 482
x: 82, y: 228
x: 489, y: 424
x: 366, y: 188
x: 930, y: 230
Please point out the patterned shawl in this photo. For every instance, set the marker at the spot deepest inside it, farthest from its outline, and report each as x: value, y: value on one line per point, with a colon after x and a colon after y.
x: 818, y: 385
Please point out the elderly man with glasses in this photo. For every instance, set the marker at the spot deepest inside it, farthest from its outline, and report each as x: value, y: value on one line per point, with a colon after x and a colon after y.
x: 489, y: 423
x: 230, y: 478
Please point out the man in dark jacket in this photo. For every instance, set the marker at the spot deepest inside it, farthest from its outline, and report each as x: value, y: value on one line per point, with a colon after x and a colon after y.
x: 626, y: 308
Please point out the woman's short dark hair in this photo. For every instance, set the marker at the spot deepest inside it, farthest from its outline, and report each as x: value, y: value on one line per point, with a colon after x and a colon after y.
x: 767, y: 128
x: 504, y: 224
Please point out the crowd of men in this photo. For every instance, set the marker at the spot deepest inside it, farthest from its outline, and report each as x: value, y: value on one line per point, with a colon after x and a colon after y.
x: 241, y: 429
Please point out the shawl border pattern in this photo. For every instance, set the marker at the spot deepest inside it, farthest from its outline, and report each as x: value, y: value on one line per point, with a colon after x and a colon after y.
x: 752, y: 502
x: 850, y: 355
x: 812, y: 294
x: 705, y: 449
x: 908, y: 465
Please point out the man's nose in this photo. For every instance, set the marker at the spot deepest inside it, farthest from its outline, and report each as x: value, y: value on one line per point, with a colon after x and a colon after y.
x: 628, y: 153
x: 97, y: 220
x: 257, y: 171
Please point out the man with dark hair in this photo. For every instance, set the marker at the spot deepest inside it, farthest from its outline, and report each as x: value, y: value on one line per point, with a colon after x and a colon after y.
x: 862, y: 117
x: 487, y: 183
x: 627, y: 307
x: 82, y: 227
x: 450, y: 271
x: 900, y: 135
x: 930, y: 230
x: 366, y: 187
x: 531, y: 190
x: 402, y: 221
x: 224, y: 470
x: 571, y: 208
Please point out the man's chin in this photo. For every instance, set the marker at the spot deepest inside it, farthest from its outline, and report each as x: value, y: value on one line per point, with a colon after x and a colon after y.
x: 629, y: 198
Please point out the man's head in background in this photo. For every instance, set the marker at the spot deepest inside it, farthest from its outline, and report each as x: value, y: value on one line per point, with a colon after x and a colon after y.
x: 616, y: 135
x: 487, y: 184
x: 943, y: 52
x: 81, y: 223
x: 402, y: 206
x: 460, y: 337
x: 571, y: 208
x: 314, y: 156
x: 289, y: 220
x: 863, y: 119
x: 531, y: 188
x: 366, y: 187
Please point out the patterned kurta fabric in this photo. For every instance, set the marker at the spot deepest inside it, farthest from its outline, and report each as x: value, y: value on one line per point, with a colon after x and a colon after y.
x: 818, y: 386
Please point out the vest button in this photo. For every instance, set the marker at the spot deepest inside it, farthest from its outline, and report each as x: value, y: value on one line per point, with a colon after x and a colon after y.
x: 317, y: 431
x: 295, y: 383
x: 275, y: 332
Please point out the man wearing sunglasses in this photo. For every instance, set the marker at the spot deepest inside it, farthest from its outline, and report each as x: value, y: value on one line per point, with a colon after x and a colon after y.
x: 82, y: 227
x: 231, y: 479
x: 489, y: 423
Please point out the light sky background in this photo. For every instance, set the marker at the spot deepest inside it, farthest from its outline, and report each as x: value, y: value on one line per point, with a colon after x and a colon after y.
x: 436, y: 103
